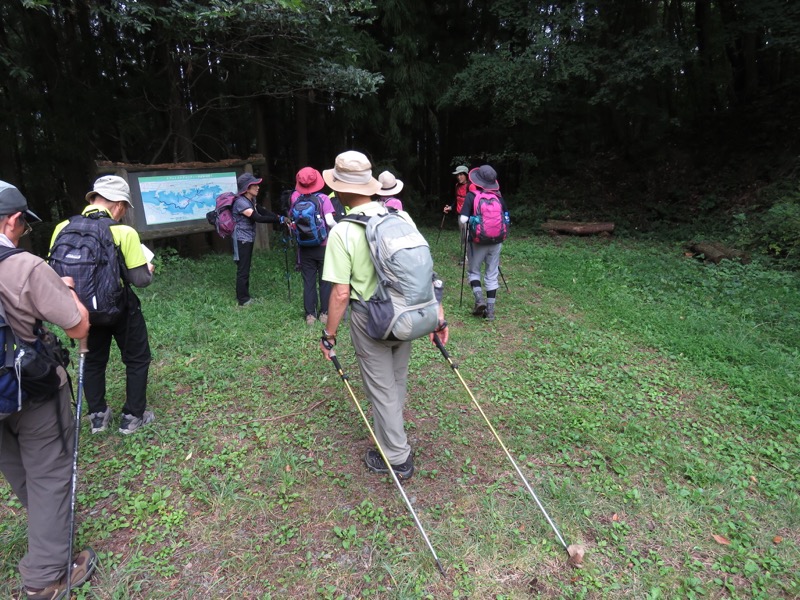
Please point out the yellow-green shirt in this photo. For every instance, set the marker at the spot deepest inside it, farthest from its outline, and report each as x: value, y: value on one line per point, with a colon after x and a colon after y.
x: 125, y: 236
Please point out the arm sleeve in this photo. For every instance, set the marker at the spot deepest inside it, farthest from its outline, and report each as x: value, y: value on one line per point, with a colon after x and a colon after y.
x: 140, y: 276
x: 267, y: 217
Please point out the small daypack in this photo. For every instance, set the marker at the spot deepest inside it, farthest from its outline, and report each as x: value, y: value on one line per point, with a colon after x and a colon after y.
x: 27, y: 370
x: 403, y: 306
x: 84, y: 250
x: 488, y: 224
x: 222, y: 216
x: 338, y: 210
x: 309, y: 224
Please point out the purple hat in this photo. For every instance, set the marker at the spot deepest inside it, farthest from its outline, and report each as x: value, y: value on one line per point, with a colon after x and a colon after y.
x: 245, y: 180
x: 484, y: 177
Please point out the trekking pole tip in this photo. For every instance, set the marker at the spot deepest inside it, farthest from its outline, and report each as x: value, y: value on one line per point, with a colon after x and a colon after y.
x: 441, y: 568
x: 576, y: 553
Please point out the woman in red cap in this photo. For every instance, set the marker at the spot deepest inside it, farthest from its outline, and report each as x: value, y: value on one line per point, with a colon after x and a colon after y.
x: 313, y: 216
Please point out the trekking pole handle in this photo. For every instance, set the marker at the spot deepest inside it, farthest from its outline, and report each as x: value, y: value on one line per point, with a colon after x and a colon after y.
x: 442, y: 349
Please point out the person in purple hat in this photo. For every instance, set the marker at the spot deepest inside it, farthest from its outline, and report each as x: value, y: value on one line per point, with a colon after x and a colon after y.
x: 311, y: 250
x: 487, y: 250
x: 246, y: 213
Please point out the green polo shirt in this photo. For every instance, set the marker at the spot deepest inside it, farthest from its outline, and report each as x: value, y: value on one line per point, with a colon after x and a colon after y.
x: 126, y: 237
x: 347, y: 258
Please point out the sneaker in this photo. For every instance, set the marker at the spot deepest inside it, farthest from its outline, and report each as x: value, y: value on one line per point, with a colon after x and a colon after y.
x: 323, y: 318
x: 310, y: 319
x: 128, y: 424
x: 82, y: 569
x: 100, y: 420
x: 247, y: 302
x: 376, y: 464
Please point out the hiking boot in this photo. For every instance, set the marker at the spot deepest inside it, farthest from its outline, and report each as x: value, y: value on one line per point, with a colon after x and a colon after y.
x: 480, y: 304
x: 376, y: 464
x: 323, y: 318
x: 310, y: 319
x: 100, y: 420
x: 82, y: 570
x: 489, y: 314
x: 128, y: 424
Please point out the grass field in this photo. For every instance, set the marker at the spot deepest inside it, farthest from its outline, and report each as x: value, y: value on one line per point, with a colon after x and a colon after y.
x: 650, y: 400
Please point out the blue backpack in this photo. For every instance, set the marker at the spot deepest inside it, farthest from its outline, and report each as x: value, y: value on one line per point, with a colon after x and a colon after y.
x: 309, y: 224
x: 27, y: 370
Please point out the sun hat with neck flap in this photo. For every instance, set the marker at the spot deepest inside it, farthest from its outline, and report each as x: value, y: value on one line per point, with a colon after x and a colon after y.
x: 352, y: 174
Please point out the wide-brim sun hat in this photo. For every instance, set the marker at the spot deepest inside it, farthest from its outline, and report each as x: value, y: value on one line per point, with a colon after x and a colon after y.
x: 245, y: 180
x: 308, y: 181
x: 390, y: 185
x: 484, y: 177
x: 111, y: 187
x: 12, y: 201
x: 352, y: 174
x: 461, y: 169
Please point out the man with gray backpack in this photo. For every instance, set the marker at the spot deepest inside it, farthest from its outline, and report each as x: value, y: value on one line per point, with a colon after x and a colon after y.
x: 392, y: 292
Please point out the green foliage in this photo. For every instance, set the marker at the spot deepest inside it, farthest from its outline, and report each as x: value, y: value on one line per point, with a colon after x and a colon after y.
x: 650, y: 400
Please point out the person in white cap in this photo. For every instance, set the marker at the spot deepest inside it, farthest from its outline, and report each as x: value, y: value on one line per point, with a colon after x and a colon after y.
x: 348, y: 266
x: 109, y: 201
x: 36, y: 442
x: 461, y: 190
x: 390, y: 187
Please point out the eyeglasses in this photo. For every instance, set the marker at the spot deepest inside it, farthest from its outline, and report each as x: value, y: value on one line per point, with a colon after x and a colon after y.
x: 28, y: 227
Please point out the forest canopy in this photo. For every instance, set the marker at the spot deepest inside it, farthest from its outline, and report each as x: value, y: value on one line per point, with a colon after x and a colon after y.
x: 597, y: 89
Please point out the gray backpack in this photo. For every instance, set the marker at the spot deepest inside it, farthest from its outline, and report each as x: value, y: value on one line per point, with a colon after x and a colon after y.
x: 403, y: 306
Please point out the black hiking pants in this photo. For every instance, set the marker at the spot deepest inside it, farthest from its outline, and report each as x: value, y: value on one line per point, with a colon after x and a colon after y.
x: 130, y: 333
x: 311, y: 261
x: 245, y: 251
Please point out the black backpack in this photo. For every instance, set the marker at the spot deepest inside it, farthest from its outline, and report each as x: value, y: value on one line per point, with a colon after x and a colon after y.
x: 84, y: 250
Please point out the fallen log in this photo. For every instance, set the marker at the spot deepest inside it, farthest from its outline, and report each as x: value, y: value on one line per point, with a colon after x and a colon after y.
x: 715, y: 252
x: 577, y: 227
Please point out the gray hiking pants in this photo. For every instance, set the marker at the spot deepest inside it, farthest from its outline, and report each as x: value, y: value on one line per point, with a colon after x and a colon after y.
x: 489, y: 254
x: 33, y: 460
x: 384, y: 371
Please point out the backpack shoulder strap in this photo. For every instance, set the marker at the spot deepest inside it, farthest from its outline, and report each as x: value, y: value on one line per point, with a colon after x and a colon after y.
x: 5, y: 252
x: 359, y: 218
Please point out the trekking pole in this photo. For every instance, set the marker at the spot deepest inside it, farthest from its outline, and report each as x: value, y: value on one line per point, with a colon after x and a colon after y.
x: 83, y: 348
x: 343, y: 375
x: 454, y: 366
x: 444, y: 216
x: 286, y: 262
x: 503, y: 277
x: 463, y: 268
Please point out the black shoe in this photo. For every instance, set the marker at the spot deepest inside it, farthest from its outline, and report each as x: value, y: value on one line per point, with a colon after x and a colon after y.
x: 376, y: 464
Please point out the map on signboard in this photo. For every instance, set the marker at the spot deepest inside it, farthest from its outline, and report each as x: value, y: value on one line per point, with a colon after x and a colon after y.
x: 188, y: 197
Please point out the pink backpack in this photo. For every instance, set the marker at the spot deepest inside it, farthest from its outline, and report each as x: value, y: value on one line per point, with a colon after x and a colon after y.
x: 222, y: 216
x: 488, y: 224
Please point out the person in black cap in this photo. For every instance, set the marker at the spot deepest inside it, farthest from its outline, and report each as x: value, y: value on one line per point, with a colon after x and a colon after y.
x: 246, y: 213
x: 36, y: 441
